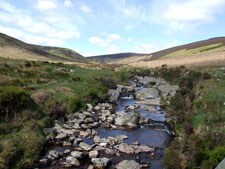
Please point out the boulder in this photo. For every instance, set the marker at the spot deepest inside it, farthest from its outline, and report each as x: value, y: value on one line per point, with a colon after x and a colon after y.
x: 147, y: 93
x: 100, y: 162
x: 130, y: 120
x: 114, y: 95
x: 131, y: 164
x: 125, y: 148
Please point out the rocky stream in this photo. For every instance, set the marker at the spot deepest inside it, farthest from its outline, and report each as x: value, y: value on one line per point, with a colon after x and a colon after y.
x: 130, y: 132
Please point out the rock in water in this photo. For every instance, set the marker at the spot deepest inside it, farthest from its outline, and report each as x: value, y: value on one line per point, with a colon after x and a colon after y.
x: 114, y: 95
x: 100, y: 162
x: 93, y: 154
x: 77, y: 154
x: 85, y: 146
x: 130, y: 120
x: 131, y: 164
x: 61, y: 136
x: 72, y: 161
x: 147, y: 93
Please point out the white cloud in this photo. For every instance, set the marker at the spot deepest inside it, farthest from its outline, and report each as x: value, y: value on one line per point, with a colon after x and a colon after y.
x: 115, y: 37
x: 44, y: 5
x: 68, y: 3
x: 29, y: 38
x: 193, y: 10
x: 6, y: 6
x: 130, y: 39
x: 127, y: 12
x: 85, y: 9
x: 95, y: 40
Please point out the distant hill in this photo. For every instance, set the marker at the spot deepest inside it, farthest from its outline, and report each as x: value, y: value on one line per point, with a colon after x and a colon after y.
x: 183, y: 50
x: 113, y: 57
x: 16, y: 49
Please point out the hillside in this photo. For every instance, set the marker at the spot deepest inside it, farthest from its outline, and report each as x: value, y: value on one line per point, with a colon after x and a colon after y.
x: 16, y: 49
x: 113, y: 57
x: 202, y: 51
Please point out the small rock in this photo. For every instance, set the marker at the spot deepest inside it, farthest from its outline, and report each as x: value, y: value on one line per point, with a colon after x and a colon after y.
x: 97, y: 139
x: 73, y: 161
x: 61, y: 136
x: 131, y: 164
x: 100, y: 162
x: 85, y: 146
x: 93, y: 154
x: 77, y: 154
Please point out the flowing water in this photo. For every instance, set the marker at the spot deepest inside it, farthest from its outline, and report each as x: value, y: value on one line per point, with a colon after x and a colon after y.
x: 153, y: 134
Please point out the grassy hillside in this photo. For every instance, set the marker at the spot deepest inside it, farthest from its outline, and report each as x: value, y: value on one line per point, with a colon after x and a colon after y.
x: 115, y: 57
x: 187, y: 52
x: 16, y: 49
x: 173, y: 56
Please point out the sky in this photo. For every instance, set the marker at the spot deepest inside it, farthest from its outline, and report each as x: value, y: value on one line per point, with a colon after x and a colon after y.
x: 95, y: 27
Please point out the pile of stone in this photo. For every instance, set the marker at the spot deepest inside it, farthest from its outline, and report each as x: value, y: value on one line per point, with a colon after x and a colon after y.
x: 158, y: 89
x: 114, y: 94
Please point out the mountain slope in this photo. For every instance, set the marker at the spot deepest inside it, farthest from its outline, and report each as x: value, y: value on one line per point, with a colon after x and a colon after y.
x: 16, y: 49
x: 183, y: 50
x: 112, y: 57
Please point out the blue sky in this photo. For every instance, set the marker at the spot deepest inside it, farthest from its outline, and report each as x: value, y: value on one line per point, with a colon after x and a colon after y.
x: 94, y: 27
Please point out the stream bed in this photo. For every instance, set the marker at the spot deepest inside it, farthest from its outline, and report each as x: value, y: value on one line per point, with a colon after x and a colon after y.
x: 154, y: 134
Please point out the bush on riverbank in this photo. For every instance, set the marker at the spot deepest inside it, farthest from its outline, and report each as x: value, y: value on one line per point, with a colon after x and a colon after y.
x: 197, y: 114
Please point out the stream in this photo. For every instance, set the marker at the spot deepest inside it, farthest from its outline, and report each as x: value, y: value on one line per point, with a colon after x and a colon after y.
x: 154, y: 134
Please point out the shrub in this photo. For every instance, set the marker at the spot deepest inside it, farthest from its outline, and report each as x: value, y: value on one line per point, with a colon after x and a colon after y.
x: 27, y: 63
x: 75, y: 104
x: 56, y: 110
x: 12, y: 100
x: 76, y: 79
x: 217, y: 155
x: 108, y: 83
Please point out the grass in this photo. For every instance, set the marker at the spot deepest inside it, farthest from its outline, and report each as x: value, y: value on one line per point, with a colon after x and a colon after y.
x: 52, y: 94
x: 185, y: 52
x: 198, y: 114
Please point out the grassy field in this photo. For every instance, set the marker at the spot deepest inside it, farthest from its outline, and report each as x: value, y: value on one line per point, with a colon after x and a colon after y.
x: 33, y: 94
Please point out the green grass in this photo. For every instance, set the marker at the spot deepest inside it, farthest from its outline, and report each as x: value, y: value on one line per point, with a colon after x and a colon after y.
x: 21, y: 137
x: 198, y: 123
x: 185, y: 52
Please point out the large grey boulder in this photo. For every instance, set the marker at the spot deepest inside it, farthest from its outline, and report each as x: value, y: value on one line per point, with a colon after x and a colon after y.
x: 130, y: 120
x: 168, y: 90
x: 221, y: 164
x: 131, y: 164
x: 152, y: 80
x: 114, y: 95
x: 147, y: 93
